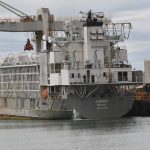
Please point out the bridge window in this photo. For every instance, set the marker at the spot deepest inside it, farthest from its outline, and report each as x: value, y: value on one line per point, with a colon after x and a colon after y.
x: 72, y: 75
x: 123, y: 76
x: 78, y: 75
x: 84, y: 79
x: 93, y: 79
x: 119, y: 76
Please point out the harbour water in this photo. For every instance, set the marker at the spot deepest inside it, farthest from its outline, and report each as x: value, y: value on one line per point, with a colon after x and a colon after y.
x: 120, y: 134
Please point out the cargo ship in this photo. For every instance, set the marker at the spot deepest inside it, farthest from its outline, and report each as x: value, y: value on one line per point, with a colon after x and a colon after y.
x: 78, y: 65
x: 20, y: 93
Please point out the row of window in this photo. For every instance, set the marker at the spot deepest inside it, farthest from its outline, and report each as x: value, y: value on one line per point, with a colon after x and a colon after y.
x: 79, y: 75
x: 18, y: 94
x: 85, y: 79
x: 122, y: 76
x: 20, y: 77
x: 20, y: 104
x: 20, y: 69
x: 19, y: 86
x: 73, y: 75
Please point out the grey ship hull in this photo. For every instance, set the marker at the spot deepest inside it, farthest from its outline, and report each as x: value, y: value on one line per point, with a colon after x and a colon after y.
x: 101, y: 104
x: 114, y: 107
x: 53, y: 110
x: 54, y: 114
x: 7, y: 113
x: 89, y: 101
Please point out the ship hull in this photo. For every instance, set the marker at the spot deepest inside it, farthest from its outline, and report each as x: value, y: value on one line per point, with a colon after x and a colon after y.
x: 89, y: 101
x: 114, y: 107
x: 54, y: 114
x: 7, y: 113
x: 11, y: 108
x: 101, y: 104
x: 91, y: 108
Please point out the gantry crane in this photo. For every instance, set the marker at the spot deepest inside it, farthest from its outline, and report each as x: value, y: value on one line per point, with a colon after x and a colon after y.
x: 40, y: 24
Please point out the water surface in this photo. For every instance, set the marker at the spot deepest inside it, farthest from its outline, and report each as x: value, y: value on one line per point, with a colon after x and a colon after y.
x: 120, y: 134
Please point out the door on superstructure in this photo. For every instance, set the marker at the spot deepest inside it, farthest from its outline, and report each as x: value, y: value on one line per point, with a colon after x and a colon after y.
x: 84, y: 79
x: 125, y: 76
x: 88, y: 76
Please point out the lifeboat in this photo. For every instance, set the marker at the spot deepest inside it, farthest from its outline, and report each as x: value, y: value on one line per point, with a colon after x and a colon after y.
x: 44, y: 93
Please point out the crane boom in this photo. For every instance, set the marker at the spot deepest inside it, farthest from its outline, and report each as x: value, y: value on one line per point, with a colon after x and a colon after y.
x: 10, y: 10
x: 14, y: 10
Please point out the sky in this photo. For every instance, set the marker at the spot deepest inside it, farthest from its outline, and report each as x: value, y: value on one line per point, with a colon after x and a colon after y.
x: 135, y: 11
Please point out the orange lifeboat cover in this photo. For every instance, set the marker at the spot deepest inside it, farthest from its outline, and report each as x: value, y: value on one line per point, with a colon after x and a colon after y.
x: 44, y: 93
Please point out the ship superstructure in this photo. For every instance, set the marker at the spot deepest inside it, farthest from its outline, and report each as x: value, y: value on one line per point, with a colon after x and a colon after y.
x: 90, y: 52
x: 80, y: 66
x: 89, y: 66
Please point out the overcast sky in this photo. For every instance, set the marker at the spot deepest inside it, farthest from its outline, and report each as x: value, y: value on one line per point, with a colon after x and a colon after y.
x: 135, y: 11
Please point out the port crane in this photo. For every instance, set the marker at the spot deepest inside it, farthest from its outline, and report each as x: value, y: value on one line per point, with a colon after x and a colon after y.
x: 23, y: 16
x: 39, y: 24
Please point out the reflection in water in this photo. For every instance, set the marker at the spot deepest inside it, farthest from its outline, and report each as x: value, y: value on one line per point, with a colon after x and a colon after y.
x: 120, y: 134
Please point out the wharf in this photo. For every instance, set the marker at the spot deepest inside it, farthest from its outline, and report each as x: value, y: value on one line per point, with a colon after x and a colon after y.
x: 140, y: 108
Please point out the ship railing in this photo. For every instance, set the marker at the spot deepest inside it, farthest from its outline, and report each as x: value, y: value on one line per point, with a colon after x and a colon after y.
x: 119, y: 65
x: 69, y: 18
x: 20, y: 59
x: 30, y: 62
x: 113, y: 37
